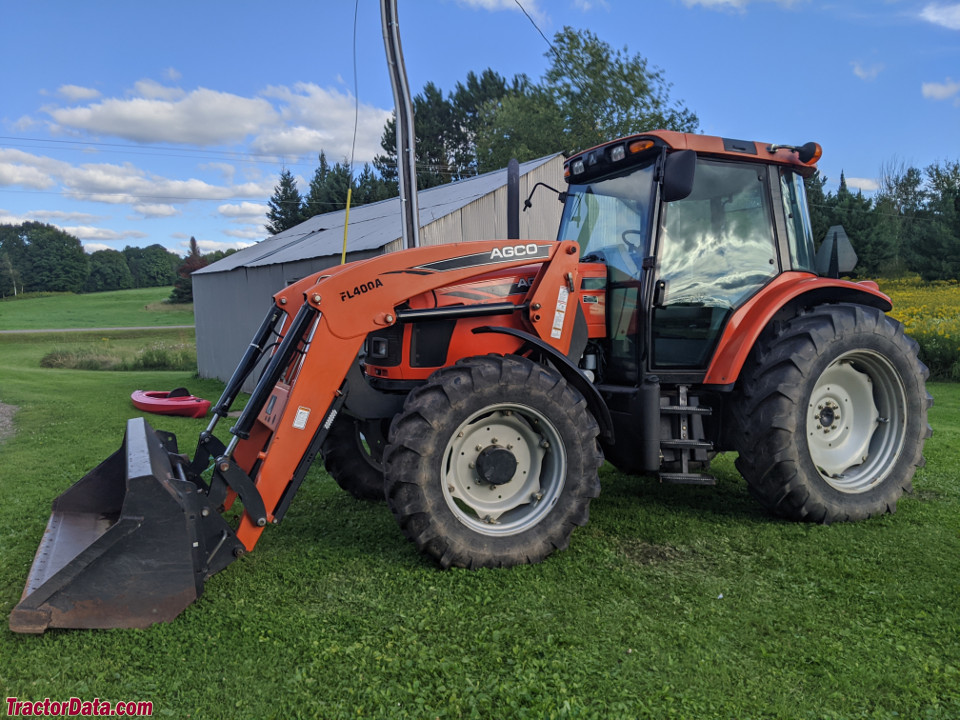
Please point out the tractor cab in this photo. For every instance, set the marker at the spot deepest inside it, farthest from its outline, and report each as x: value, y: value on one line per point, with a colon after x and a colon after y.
x: 689, y: 229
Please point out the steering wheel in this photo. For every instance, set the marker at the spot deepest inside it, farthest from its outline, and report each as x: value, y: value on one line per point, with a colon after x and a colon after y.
x: 623, y: 236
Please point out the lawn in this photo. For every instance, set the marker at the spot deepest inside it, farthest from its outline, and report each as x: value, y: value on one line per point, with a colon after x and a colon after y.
x: 122, y: 308
x: 672, y: 602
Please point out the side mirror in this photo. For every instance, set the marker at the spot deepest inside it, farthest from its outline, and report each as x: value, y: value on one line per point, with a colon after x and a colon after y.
x: 678, y: 174
x: 836, y: 255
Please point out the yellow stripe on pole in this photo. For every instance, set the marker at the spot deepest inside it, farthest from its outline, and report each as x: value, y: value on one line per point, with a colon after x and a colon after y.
x: 346, y: 223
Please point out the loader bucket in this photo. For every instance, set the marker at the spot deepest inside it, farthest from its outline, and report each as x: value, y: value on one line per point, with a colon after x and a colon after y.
x: 127, y: 546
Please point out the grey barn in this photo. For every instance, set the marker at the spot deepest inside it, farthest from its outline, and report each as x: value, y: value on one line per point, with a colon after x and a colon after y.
x: 232, y: 296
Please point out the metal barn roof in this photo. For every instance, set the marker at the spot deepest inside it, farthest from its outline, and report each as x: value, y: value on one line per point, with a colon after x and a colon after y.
x: 372, y: 226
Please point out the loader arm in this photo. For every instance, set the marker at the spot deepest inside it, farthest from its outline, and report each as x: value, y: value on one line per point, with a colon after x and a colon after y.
x: 133, y: 541
x: 290, y: 411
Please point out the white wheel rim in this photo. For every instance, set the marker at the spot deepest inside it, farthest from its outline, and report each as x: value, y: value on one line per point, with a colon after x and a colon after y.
x: 514, y: 505
x: 855, y: 421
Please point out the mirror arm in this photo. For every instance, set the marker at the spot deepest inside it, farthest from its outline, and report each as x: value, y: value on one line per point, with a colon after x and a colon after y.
x: 561, y: 195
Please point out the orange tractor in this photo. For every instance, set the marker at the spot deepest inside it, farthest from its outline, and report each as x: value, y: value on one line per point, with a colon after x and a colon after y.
x: 479, y: 386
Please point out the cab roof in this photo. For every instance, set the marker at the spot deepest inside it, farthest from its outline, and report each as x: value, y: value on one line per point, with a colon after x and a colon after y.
x: 706, y: 145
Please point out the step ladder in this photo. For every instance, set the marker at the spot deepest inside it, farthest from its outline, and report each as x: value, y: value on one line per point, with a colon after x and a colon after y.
x: 683, y: 434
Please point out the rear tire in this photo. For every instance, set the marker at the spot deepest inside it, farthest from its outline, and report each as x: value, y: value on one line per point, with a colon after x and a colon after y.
x: 352, y: 460
x: 832, y: 418
x: 492, y: 463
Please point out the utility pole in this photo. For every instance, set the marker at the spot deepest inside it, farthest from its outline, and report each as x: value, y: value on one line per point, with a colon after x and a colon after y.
x: 406, y: 139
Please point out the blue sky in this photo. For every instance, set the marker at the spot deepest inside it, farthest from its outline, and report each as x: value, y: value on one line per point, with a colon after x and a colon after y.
x: 132, y: 123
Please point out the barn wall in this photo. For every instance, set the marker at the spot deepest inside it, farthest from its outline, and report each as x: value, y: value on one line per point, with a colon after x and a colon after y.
x: 229, y: 307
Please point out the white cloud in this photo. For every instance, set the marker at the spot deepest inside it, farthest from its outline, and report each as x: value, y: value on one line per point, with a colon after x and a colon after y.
x: 947, y: 16
x: 155, y: 210
x: 14, y: 173
x: 864, y: 184
x: 866, y: 72
x: 244, y: 210
x: 588, y: 5
x: 531, y: 6
x: 88, y: 232
x: 172, y: 74
x: 55, y: 216
x: 283, y: 121
x: 24, y: 123
x: 76, y: 93
x: 202, y: 117
x: 207, y: 246
x: 252, y: 232
x: 91, y: 248
x: 117, y: 184
x: 152, y: 90
x: 313, y: 118
x: 733, y: 4
x: 8, y: 218
x: 226, y: 170
x: 940, y: 91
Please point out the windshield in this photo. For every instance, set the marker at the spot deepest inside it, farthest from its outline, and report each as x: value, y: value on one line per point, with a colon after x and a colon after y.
x: 610, y: 218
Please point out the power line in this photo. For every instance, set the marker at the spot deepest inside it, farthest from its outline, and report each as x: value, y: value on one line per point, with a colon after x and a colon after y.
x: 534, y: 23
x: 181, y: 152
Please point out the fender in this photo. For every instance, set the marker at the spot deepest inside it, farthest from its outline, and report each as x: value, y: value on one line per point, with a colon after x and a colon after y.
x: 745, y: 325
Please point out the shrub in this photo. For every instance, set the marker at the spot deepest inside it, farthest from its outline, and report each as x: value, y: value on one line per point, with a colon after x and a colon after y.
x: 930, y: 313
x: 157, y: 356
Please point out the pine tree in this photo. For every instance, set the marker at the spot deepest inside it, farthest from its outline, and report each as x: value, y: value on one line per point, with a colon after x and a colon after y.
x: 313, y: 202
x: 286, y: 205
x: 183, y: 287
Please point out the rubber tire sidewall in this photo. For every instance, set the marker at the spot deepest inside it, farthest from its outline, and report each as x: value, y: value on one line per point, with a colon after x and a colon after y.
x: 771, y: 413
x: 419, y: 437
x: 348, y: 463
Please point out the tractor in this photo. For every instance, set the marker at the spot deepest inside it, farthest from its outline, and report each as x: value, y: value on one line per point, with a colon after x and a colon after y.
x: 478, y: 387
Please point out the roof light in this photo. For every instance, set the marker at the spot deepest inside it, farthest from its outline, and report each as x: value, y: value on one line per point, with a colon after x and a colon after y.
x: 577, y: 166
x: 807, y: 154
x: 639, y: 146
x: 618, y: 153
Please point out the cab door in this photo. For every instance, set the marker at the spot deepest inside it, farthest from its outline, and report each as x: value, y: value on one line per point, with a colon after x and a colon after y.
x: 715, y: 249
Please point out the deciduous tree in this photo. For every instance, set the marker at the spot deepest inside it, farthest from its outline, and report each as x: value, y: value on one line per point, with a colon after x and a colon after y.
x: 108, y: 271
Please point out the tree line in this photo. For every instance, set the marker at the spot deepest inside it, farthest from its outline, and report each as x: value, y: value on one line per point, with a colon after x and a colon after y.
x: 590, y: 93
x: 910, y: 225
x: 36, y: 257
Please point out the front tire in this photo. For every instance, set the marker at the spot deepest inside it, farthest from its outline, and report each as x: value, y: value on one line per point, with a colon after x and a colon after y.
x: 492, y: 463
x: 353, y: 459
x: 832, y: 418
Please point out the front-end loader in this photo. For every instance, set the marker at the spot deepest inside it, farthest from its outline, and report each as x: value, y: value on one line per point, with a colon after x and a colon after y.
x: 479, y: 386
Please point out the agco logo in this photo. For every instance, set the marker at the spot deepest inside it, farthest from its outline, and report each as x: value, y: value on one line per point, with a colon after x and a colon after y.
x: 360, y: 289
x: 512, y: 251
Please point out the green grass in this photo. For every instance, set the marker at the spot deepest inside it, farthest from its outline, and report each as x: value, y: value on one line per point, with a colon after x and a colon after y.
x: 121, y: 308
x: 672, y: 602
